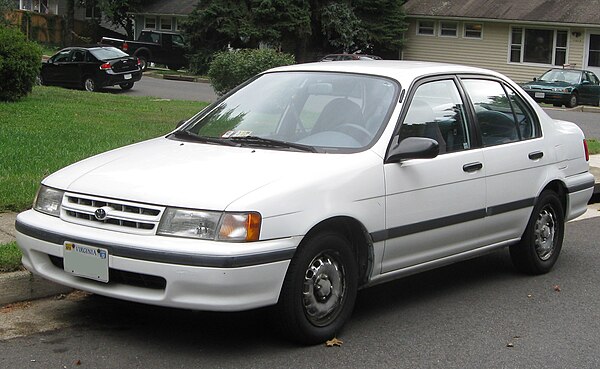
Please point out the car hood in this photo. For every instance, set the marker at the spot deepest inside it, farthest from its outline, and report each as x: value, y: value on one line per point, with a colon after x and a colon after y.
x: 174, y: 173
x: 545, y: 85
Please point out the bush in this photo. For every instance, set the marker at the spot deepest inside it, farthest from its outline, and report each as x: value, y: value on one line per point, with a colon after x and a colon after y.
x: 230, y: 68
x: 20, y: 62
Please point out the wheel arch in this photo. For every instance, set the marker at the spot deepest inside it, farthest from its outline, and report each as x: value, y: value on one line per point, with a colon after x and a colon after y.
x: 357, y: 234
x: 560, y: 189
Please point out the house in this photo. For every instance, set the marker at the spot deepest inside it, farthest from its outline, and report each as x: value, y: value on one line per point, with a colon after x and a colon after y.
x: 162, y: 15
x: 59, y: 7
x: 521, y: 39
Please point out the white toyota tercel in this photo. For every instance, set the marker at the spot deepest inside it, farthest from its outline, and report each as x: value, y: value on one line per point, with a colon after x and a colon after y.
x: 310, y: 182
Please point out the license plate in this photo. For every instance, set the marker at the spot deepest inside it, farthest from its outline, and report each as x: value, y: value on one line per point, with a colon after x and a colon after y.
x: 127, y: 76
x: 86, y: 261
x: 540, y: 95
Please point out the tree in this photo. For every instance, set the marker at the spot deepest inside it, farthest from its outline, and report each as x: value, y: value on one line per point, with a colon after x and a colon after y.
x: 19, y: 64
x: 118, y: 12
x: 383, y: 22
x: 341, y: 26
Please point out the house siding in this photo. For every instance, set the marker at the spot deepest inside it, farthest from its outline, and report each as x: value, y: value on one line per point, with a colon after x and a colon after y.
x: 491, y: 51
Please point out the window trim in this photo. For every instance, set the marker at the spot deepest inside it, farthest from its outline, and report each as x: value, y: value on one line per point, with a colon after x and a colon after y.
x: 524, y: 28
x: 146, y: 18
x: 433, y: 28
x: 170, y: 23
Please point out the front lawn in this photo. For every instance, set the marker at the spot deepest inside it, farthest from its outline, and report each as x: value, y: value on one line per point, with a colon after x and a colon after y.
x: 54, y: 127
x: 10, y: 257
x: 593, y: 146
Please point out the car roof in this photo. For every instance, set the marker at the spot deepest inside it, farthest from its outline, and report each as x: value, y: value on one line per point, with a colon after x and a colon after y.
x: 400, y: 70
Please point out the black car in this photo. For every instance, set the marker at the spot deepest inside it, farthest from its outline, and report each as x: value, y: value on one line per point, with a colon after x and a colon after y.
x: 91, y: 68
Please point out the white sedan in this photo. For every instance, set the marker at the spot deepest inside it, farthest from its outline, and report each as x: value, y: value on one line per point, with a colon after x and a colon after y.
x: 311, y: 182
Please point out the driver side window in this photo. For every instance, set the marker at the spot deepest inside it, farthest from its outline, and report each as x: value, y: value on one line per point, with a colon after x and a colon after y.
x: 436, y: 111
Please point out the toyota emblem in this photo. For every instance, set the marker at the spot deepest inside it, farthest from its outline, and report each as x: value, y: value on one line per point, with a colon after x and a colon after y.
x: 100, y: 214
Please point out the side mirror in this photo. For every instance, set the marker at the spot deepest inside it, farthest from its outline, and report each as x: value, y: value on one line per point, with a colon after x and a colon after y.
x: 534, y: 79
x: 414, y: 148
x: 585, y: 82
x: 180, y: 123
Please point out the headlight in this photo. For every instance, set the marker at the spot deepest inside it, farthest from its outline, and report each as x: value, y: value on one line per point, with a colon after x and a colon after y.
x: 210, y: 225
x: 48, y: 201
x: 561, y: 89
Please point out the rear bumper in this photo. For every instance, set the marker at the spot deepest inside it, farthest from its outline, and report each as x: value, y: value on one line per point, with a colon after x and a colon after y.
x: 580, y: 188
x: 161, y: 273
x: 120, y: 78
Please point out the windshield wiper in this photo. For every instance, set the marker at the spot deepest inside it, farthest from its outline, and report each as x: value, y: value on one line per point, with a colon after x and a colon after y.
x: 268, y: 142
x: 204, y: 139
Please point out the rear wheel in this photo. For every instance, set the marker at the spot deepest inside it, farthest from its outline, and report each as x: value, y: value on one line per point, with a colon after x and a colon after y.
x: 126, y: 86
x: 319, y: 289
x: 143, y: 61
x: 541, y: 243
x: 89, y: 84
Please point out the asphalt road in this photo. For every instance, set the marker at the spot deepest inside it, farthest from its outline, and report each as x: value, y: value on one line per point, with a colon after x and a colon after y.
x: 168, y: 89
x: 475, y: 314
x: 588, y: 122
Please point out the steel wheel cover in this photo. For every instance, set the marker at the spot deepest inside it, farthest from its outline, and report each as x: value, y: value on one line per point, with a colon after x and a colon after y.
x: 545, y: 233
x: 323, y: 292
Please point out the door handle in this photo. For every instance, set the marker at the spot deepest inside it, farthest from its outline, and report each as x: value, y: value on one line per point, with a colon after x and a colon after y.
x: 472, y: 167
x: 536, y: 155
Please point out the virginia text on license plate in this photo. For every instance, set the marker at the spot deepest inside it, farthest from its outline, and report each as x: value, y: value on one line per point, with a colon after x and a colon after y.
x: 86, y: 261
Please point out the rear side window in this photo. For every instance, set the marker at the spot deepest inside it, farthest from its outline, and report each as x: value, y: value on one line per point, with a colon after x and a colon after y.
x: 436, y: 111
x: 503, y: 117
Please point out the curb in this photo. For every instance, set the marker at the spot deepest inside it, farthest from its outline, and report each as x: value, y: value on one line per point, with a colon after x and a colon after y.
x: 22, y: 286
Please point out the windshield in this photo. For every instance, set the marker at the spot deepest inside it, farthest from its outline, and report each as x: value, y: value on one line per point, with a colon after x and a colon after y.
x: 561, y: 75
x: 107, y: 53
x: 329, y: 111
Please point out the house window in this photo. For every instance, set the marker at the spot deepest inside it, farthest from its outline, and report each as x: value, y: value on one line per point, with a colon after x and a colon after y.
x: 540, y: 46
x: 426, y: 28
x: 92, y: 10
x: 150, y: 22
x: 448, y: 29
x: 473, y: 30
x: 165, y: 24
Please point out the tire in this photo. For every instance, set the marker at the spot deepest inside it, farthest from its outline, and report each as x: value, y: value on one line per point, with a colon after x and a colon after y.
x: 319, y: 289
x: 541, y: 243
x: 89, y: 84
x: 126, y: 86
x: 573, y: 100
x: 143, y: 61
x: 39, y: 80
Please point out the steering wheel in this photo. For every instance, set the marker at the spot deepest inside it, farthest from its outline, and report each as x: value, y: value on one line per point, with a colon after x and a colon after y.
x: 357, y: 132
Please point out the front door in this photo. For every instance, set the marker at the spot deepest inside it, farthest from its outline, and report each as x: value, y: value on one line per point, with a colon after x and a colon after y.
x: 434, y: 207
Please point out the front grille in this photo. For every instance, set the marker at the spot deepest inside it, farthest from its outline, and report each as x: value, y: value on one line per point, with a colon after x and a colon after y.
x: 116, y: 276
x: 117, y: 215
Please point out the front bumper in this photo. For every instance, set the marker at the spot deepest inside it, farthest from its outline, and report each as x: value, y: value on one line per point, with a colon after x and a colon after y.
x: 165, y: 271
x: 550, y: 97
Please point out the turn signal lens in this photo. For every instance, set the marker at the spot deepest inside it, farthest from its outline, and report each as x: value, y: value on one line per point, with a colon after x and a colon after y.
x: 240, y: 227
x: 587, y: 153
x: 105, y: 66
x: 125, y: 47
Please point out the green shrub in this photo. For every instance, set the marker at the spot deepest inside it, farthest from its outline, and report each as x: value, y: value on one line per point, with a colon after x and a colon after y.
x: 20, y: 62
x: 230, y: 68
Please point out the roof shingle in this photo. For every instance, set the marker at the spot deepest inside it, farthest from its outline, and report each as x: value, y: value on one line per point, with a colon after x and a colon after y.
x: 557, y: 11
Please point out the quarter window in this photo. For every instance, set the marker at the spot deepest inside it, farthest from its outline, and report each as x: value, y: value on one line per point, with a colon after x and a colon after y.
x: 436, y: 111
x: 426, y: 28
x: 473, y: 30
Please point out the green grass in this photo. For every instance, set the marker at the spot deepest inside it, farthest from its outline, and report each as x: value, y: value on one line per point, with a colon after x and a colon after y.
x: 54, y: 127
x: 593, y: 146
x: 10, y: 257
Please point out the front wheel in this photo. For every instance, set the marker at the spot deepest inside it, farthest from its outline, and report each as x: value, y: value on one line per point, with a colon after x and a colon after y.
x: 319, y: 289
x: 541, y: 243
x: 143, y: 62
x: 573, y: 101
x: 126, y: 86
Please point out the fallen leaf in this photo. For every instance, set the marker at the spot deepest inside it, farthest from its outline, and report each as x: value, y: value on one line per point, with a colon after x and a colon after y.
x: 510, y: 344
x: 334, y: 342
x: 529, y: 295
x: 78, y: 362
x: 556, y: 288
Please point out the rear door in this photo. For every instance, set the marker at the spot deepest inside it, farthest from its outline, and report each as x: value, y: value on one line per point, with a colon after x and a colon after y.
x: 434, y: 207
x: 514, y: 154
